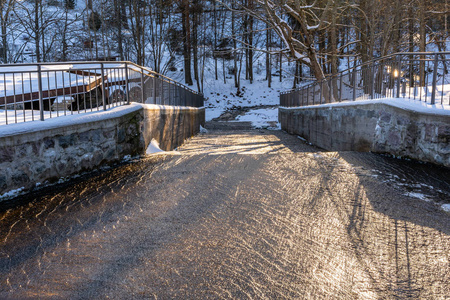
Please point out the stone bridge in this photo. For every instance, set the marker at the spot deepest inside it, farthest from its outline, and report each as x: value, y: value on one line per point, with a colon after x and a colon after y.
x: 234, y: 214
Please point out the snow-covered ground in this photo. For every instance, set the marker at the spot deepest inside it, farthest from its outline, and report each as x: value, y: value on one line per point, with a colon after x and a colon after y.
x: 220, y: 97
x: 261, y: 118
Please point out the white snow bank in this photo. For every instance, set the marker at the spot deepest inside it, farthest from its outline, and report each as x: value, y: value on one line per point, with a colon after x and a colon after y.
x: 260, y: 118
x: 211, y: 113
x: 153, y: 147
x: 407, y: 104
x: 12, y: 194
x: 418, y: 196
x: 446, y: 207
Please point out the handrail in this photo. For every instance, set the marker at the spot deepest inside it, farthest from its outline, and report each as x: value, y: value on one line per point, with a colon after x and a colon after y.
x: 423, y: 76
x: 55, y: 88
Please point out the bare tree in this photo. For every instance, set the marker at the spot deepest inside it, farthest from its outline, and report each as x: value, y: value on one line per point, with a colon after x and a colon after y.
x: 158, y: 31
x: 310, y: 19
x: 39, y: 23
x: 6, y: 7
x: 187, y: 44
x: 138, y: 21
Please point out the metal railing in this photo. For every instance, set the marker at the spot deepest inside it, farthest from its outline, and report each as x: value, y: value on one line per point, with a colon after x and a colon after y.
x: 421, y: 76
x: 30, y: 92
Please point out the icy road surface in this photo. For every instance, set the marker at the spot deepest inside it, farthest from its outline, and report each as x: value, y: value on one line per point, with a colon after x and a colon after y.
x: 235, y: 214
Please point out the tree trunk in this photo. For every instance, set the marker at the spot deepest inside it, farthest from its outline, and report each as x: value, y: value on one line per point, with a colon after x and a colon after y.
x: 233, y: 27
x: 118, y: 12
x: 411, y: 33
x: 281, y: 66
x: 64, y: 41
x: 334, y: 51
x: 268, y: 64
x: 195, y: 22
x: 422, y: 41
x: 4, y: 41
x: 186, y: 42
x: 215, y: 39
x: 37, y: 36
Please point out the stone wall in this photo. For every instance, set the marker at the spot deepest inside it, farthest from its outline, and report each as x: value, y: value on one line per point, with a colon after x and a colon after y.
x: 172, y: 125
x: 372, y: 127
x: 34, y: 157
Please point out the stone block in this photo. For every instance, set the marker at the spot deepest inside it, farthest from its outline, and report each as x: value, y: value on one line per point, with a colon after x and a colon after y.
x: 20, y: 178
x: 385, y: 117
x: 443, y: 134
x: 121, y: 135
x: 7, y: 154
x: 3, y: 182
x: 66, y: 140
x: 48, y: 143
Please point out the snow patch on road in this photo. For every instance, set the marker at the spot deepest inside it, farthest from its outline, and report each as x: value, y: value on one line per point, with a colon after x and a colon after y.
x: 418, y: 196
x: 446, y: 208
x: 261, y: 118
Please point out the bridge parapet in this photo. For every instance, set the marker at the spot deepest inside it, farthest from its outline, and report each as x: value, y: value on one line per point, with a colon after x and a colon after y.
x: 47, y: 152
x: 375, y: 126
x: 41, y: 91
x: 423, y: 76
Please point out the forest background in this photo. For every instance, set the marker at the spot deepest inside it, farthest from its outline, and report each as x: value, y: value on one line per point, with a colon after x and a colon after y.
x: 197, y: 40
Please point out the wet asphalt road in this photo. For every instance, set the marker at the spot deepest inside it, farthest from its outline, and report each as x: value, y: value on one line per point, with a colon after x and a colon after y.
x: 235, y: 214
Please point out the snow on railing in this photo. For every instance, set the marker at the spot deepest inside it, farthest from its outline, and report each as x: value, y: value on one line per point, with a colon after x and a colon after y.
x: 30, y: 92
x: 422, y: 76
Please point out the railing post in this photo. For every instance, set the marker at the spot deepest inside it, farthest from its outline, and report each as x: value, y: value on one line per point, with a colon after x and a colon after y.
x: 41, y: 101
x: 372, y: 82
x: 399, y: 75
x: 6, y: 102
x: 330, y: 85
x: 314, y: 93
x: 154, y: 89
x: 340, y: 88
x: 142, y: 86
x: 303, y: 97
x: 169, y: 86
x: 433, y: 90
x: 307, y: 95
x: 161, y: 96
x: 103, y: 86
x: 127, y: 88
x: 321, y: 91
x: 382, y: 79
x: 354, y: 84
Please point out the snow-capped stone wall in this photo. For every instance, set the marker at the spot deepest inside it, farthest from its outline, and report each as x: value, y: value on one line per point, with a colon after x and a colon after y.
x: 377, y: 127
x: 34, y: 156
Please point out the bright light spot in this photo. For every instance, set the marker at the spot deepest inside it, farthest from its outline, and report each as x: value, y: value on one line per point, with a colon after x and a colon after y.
x: 395, y: 74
